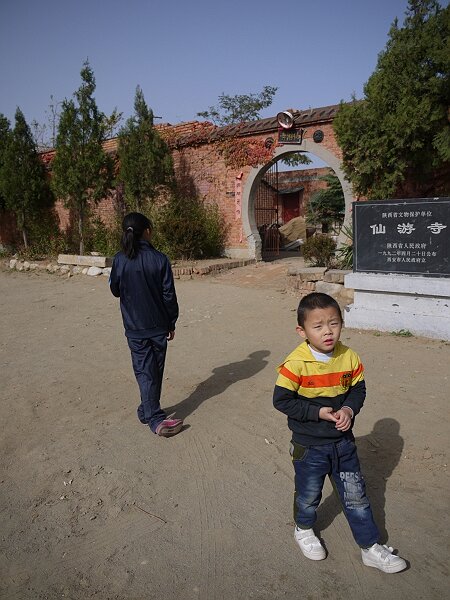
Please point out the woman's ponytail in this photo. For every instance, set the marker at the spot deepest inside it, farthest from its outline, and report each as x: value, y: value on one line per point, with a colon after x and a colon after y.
x: 133, y: 227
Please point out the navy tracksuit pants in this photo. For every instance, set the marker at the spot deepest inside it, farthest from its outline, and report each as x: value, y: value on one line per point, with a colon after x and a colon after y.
x: 148, y: 357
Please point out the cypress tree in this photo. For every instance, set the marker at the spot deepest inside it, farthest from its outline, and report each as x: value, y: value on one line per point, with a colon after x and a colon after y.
x: 144, y: 157
x: 4, y: 136
x: 23, y: 180
x: 82, y: 170
x: 400, y: 130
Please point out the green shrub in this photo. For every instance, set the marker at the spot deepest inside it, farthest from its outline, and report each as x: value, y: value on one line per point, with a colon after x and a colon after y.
x: 319, y: 250
x: 5, y: 251
x: 45, y: 238
x: 103, y: 239
x: 344, y: 254
x: 185, y: 228
x: 402, y: 333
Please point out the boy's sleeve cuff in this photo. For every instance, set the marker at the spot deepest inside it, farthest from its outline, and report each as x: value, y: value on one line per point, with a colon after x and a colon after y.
x: 351, y: 410
x: 313, y: 413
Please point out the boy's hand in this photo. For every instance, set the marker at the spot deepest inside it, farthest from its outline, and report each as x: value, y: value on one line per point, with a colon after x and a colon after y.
x: 343, y: 419
x: 326, y: 414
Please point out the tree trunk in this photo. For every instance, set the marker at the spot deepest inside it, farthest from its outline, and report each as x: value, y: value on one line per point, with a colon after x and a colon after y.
x: 24, y: 233
x: 80, y: 230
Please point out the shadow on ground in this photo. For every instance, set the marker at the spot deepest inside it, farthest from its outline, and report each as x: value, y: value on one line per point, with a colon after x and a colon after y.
x: 222, y: 378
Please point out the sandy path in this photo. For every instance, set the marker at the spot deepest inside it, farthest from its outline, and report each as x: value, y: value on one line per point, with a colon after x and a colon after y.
x: 94, y: 505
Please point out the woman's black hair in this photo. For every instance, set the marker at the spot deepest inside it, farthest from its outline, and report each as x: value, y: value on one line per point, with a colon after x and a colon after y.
x: 133, y: 227
x: 315, y: 300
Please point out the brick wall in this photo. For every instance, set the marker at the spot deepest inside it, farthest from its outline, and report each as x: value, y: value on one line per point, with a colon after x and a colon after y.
x: 9, y: 235
x: 201, y: 167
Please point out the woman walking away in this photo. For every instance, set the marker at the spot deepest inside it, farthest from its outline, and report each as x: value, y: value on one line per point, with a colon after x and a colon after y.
x: 142, y: 278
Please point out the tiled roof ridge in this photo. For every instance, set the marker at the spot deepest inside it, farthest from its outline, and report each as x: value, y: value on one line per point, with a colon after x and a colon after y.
x: 190, y: 132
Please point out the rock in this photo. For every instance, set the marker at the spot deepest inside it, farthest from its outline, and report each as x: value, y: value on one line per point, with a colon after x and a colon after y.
x: 94, y: 271
x: 107, y: 271
x: 335, y: 276
x: 77, y: 270
x: 13, y: 263
x: 64, y: 269
x: 19, y: 266
x: 347, y: 296
x: 85, y: 270
x: 26, y: 266
x: 307, y: 273
x: 33, y: 266
x: 333, y: 289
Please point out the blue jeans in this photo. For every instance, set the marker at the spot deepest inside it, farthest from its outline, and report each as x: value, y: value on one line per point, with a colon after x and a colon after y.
x: 148, y: 357
x: 340, y: 462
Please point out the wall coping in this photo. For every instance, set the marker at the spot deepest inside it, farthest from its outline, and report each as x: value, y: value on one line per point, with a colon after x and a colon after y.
x: 399, y: 284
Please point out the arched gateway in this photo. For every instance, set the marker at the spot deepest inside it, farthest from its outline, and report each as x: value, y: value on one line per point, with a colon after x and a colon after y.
x: 201, y: 152
x: 254, y: 177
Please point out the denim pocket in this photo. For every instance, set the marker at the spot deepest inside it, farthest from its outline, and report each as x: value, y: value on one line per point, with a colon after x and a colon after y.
x: 297, y: 451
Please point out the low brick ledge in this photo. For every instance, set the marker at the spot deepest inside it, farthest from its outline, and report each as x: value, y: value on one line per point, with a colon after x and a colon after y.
x: 189, y: 272
x: 69, y: 269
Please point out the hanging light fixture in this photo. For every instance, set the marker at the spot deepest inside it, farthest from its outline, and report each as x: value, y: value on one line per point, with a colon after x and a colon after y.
x: 285, y: 119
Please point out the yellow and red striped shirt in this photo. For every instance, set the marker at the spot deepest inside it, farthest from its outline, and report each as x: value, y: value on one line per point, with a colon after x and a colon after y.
x: 304, y: 374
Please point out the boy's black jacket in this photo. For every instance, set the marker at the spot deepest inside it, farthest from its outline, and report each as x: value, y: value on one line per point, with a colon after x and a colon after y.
x: 145, y: 286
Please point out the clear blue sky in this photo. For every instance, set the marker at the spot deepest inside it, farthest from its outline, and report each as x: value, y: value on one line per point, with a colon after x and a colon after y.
x: 185, y: 53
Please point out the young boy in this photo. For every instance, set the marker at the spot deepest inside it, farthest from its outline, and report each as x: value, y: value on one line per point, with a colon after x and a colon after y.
x: 320, y: 387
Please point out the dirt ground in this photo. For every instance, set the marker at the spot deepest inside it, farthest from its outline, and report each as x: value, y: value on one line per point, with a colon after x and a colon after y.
x: 95, y: 506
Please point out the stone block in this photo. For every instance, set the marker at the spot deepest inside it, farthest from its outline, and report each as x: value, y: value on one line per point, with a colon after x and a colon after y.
x: 332, y: 289
x: 94, y: 271
x: 335, y: 275
x: 85, y: 261
x: 308, y: 273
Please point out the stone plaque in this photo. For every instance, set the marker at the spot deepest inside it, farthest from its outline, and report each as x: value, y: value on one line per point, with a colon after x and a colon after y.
x: 410, y: 237
x: 291, y: 136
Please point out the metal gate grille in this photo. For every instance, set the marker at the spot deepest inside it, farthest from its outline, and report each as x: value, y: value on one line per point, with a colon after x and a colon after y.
x: 266, y: 210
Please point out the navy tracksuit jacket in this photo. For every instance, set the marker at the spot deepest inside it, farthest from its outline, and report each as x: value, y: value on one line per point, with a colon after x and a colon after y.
x: 146, y: 290
x: 149, y: 307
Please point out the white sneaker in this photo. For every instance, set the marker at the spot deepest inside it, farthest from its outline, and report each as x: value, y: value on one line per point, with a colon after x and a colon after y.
x: 381, y: 557
x: 309, y: 544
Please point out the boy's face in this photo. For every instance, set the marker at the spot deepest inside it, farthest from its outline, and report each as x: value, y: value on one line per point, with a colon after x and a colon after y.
x: 322, y: 328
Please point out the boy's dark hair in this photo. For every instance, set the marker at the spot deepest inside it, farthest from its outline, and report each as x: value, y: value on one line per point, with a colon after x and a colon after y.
x: 312, y: 301
x: 133, y: 227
